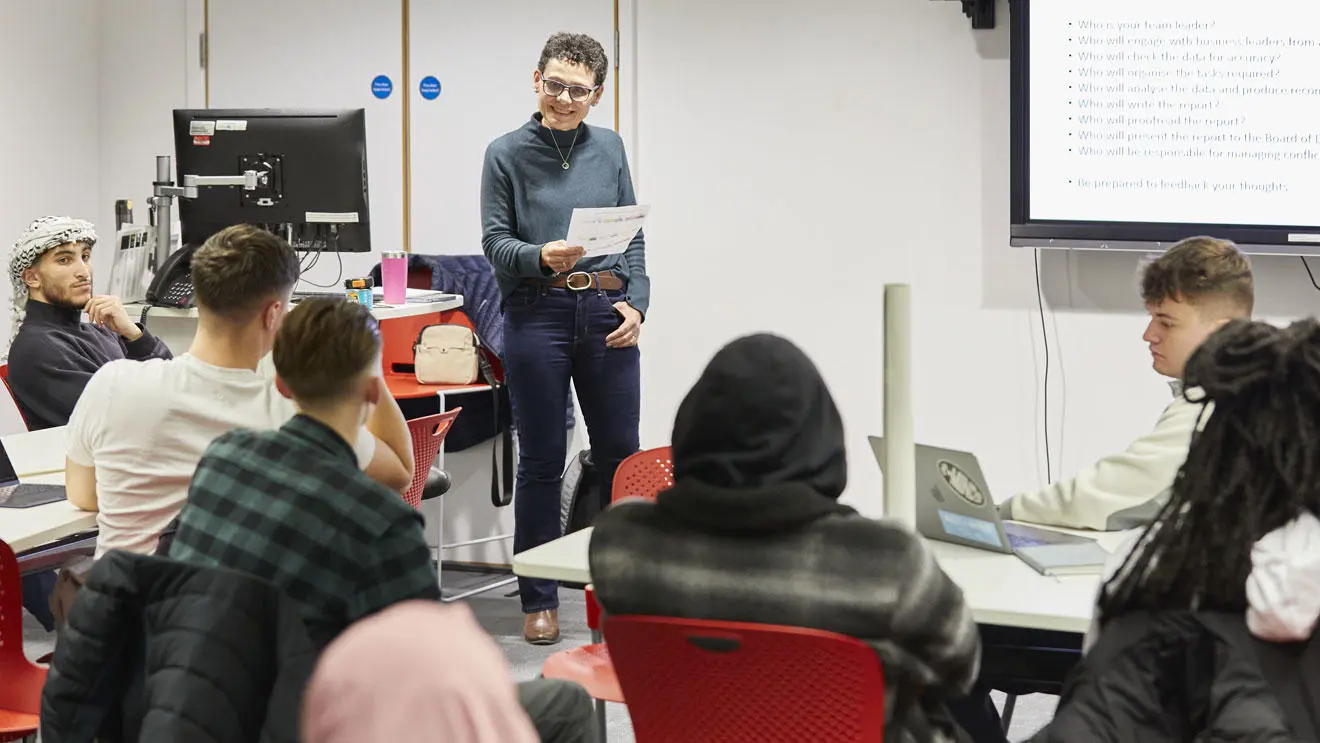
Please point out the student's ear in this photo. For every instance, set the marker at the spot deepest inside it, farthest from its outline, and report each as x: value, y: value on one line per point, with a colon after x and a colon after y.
x: 274, y: 313
x: 282, y: 387
x: 30, y: 277
x: 373, y: 390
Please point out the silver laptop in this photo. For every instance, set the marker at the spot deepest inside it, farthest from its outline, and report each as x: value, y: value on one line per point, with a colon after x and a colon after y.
x: 954, y: 505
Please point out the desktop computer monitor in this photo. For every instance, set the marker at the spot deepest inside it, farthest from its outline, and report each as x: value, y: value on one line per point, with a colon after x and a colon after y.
x: 312, y: 165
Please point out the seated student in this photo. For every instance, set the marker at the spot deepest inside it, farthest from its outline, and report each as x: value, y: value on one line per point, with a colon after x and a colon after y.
x: 138, y: 432
x: 1234, y: 554
x: 753, y: 531
x: 53, y: 353
x: 418, y: 672
x: 290, y: 506
x: 1190, y: 291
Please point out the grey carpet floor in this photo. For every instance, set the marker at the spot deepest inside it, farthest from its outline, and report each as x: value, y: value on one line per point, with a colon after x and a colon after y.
x: 502, y: 618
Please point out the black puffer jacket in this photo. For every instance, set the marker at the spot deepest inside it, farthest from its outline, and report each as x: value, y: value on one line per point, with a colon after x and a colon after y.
x: 1186, y: 676
x: 156, y: 650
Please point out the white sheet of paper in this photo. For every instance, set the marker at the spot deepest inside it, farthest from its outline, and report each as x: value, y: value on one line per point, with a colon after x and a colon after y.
x: 605, y: 230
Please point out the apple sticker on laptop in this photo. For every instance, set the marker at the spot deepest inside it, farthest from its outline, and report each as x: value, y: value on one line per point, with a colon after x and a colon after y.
x: 960, y: 483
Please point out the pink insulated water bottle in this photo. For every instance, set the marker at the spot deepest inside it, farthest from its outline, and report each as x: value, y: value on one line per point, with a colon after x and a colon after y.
x: 394, y: 276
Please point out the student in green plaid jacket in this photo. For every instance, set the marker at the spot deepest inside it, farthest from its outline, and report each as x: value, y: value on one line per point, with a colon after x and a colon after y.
x: 292, y: 507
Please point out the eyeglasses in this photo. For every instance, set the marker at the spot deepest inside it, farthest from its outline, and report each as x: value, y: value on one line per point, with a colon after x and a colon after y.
x: 555, y: 88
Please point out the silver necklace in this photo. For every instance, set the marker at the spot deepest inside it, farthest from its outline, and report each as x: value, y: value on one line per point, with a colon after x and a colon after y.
x: 555, y: 140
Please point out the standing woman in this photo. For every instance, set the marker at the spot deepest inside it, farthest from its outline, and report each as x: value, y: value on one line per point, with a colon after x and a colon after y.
x: 566, y: 317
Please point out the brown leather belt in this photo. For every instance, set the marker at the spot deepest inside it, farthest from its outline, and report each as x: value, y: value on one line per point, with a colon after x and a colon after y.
x: 581, y: 281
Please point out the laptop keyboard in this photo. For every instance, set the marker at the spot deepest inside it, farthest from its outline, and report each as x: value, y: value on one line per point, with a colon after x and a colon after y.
x: 1018, y: 541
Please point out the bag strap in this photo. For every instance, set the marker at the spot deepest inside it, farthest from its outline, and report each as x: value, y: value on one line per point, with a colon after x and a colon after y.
x: 499, y: 497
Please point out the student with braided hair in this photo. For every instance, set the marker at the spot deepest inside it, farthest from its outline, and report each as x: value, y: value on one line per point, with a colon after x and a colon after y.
x: 1240, y: 531
x: 1204, y: 632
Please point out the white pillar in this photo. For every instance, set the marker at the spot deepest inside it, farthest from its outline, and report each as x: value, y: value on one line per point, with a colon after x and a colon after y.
x: 899, y: 447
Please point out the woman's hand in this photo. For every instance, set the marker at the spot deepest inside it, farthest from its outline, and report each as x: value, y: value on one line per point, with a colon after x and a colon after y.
x: 627, y: 333
x: 559, y: 256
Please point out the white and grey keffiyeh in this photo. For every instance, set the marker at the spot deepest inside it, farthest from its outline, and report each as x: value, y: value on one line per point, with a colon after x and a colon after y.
x: 42, y: 235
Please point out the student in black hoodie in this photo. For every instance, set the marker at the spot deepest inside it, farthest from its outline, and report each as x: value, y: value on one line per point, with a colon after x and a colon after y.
x: 753, y: 531
x: 52, y: 353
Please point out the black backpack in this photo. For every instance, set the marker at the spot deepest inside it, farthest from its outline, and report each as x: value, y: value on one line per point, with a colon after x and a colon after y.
x: 579, y: 494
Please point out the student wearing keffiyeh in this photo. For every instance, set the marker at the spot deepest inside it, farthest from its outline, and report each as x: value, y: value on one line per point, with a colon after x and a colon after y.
x: 52, y: 353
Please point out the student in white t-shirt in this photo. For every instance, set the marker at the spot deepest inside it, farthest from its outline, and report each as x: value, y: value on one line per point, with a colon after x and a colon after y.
x: 139, y: 429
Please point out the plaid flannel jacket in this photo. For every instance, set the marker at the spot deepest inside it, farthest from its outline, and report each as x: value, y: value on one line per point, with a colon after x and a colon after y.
x: 291, y: 506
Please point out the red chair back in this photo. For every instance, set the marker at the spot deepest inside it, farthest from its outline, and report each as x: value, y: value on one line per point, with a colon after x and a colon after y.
x: 428, y: 434
x: 644, y: 474
x: 4, y: 379
x: 20, y: 679
x: 688, y: 680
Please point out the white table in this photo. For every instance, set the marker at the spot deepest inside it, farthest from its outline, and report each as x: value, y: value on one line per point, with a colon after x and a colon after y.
x: 38, y: 459
x: 1000, y: 589
x: 25, y: 529
x: 563, y: 559
x: 1004, y: 590
x: 176, y: 327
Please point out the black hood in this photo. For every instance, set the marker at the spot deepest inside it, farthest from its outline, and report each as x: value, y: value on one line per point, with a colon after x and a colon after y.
x: 761, y: 416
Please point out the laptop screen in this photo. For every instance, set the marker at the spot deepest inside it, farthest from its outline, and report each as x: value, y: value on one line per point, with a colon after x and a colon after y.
x: 970, y: 527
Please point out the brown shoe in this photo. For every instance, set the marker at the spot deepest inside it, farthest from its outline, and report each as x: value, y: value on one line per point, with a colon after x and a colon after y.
x: 541, y: 628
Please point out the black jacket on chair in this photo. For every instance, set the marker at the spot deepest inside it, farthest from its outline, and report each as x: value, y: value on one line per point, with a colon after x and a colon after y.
x: 156, y: 650
x: 1182, y: 676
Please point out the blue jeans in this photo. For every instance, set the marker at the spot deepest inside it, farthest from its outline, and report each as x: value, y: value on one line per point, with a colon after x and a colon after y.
x: 552, y: 336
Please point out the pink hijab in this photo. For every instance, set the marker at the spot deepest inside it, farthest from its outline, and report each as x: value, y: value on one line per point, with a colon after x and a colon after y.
x: 418, y: 671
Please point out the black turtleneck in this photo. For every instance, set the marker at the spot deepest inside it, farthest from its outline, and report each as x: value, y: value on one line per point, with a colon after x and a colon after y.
x: 55, y: 353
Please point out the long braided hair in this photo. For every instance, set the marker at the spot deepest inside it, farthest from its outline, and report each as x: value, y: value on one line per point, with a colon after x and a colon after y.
x: 1254, y: 467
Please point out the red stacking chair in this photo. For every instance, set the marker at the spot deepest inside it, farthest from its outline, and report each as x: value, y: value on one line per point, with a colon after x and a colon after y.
x: 644, y: 474
x: 428, y: 434
x: 20, y: 679
x: 4, y: 379
x: 589, y: 666
x: 734, y: 682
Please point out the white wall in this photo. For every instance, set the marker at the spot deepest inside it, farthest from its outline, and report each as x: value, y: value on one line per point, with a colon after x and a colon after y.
x: 813, y: 153
x: 148, y: 65
x: 48, y: 132
x: 313, y: 54
x: 483, y: 95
